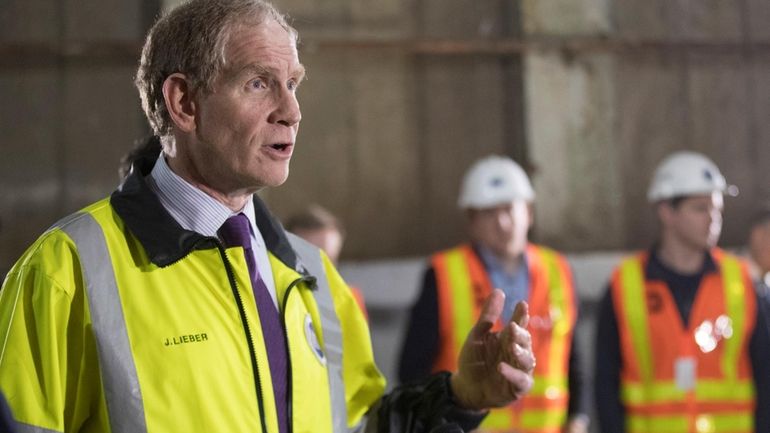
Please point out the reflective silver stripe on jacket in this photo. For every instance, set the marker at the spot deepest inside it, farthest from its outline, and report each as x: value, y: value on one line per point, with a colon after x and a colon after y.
x: 330, y: 326
x: 26, y: 428
x: 120, y: 382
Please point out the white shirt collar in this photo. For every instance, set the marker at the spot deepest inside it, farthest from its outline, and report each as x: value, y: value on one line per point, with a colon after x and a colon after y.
x: 197, y: 211
x: 192, y: 208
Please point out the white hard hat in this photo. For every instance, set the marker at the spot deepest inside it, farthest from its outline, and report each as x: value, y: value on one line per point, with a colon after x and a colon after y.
x: 493, y: 181
x: 686, y: 173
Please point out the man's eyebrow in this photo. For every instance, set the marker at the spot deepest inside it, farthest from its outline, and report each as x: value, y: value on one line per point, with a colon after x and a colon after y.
x: 300, y: 72
x: 252, y: 69
x: 260, y: 70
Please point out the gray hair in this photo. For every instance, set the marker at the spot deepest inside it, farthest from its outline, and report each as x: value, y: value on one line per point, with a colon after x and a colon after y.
x: 191, y: 39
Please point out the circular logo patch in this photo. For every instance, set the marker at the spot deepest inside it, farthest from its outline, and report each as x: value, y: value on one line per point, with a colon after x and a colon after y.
x: 312, y: 340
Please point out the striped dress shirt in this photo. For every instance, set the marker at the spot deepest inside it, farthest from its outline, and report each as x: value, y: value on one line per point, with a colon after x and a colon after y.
x: 197, y: 211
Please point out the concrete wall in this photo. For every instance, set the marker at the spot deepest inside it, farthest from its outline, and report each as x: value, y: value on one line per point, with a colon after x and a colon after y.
x: 389, y: 124
x: 612, y: 87
x: 68, y: 110
x: 402, y: 96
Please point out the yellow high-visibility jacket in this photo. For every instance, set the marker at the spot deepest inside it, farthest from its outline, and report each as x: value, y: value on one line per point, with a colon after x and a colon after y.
x: 118, y: 320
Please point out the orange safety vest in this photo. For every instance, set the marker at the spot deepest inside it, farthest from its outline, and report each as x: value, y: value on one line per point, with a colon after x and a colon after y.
x: 686, y: 380
x: 463, y: 285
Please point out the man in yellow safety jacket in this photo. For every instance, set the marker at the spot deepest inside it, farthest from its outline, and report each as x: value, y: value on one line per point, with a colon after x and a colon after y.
x: 178, y: 304
x: 681, y: 345
x: 497, y: 196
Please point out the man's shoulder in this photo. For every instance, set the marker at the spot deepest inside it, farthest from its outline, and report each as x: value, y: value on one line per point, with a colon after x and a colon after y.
x: 299, y: 244
x: 543, y: 249
x: 55, y: 250
x: 632, y: 260
x: 95, y: 210
x: 460, y: 248
x: 718, y: 254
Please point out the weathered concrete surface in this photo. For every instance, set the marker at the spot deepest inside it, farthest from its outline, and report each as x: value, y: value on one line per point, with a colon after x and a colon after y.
x: 565, y: 17
x: 389, y: 130
x: 570, y: 118
x: 39, y: 23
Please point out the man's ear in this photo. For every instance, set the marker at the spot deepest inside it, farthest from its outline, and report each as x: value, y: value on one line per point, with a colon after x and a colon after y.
x: 665, y: 212
x: 180, y: 102
x: 531, y: 212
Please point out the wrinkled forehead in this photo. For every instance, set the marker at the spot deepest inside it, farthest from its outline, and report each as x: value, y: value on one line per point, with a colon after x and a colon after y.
x: 264, y: 40
x: 273, y: 25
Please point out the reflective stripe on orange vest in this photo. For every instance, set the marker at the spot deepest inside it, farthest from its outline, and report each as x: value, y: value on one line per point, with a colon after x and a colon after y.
x: 659, y: 397
x: 463, y: 285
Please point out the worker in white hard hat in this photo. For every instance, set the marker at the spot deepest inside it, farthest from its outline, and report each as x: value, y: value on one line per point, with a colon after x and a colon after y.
x: 496, y: 197
x: 681, y: 346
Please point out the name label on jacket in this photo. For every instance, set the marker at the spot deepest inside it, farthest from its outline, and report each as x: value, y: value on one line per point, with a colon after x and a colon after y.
x: 183, y: 339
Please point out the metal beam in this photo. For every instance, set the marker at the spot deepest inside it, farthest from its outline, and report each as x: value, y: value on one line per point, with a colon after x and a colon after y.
x: 50, y: 55
x: 517, y: 46
x: 127, y: 53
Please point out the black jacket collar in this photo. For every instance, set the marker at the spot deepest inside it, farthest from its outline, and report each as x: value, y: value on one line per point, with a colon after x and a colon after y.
x: 165, y: 241
x: 657, y: 270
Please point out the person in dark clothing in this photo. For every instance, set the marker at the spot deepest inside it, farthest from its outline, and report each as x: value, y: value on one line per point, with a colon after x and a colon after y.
x: 149, y: 147
x: 759, y: 249
x: 759, y: 255
x: 497, y: 197
x: 7, y: 425
x: 681, y: 340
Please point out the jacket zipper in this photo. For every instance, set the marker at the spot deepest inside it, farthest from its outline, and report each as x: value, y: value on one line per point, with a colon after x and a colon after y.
x: 290, y: 388
x: 242, y: 312
x: 252, y: 352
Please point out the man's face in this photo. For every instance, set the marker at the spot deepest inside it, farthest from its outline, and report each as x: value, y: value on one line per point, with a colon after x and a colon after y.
x: 697, y: 221
x: 247, y: 125
x: 503, y: 229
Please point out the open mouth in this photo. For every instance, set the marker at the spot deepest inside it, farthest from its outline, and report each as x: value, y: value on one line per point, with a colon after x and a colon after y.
x: 280, y: 146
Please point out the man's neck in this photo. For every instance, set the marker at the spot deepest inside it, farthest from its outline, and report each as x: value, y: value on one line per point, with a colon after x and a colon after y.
x: 235, y: 201
x: 681, y: 258
x: 510, y: 264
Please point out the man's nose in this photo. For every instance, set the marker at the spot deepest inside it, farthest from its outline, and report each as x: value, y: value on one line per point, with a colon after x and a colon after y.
x: 504, y: 220
x: 287, y: 111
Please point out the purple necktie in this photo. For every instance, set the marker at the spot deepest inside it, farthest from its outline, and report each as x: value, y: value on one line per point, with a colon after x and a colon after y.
x: 235, y: 232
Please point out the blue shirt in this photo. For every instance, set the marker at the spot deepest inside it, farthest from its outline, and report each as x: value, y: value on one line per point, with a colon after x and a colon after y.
x: 515, y: 285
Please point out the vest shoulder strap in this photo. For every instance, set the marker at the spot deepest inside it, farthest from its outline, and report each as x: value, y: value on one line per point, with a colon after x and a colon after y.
x: 310, y: 258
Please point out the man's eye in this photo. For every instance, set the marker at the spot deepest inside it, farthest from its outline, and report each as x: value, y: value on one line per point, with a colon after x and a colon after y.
x: 292, y: 85
x: 258, y: 84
